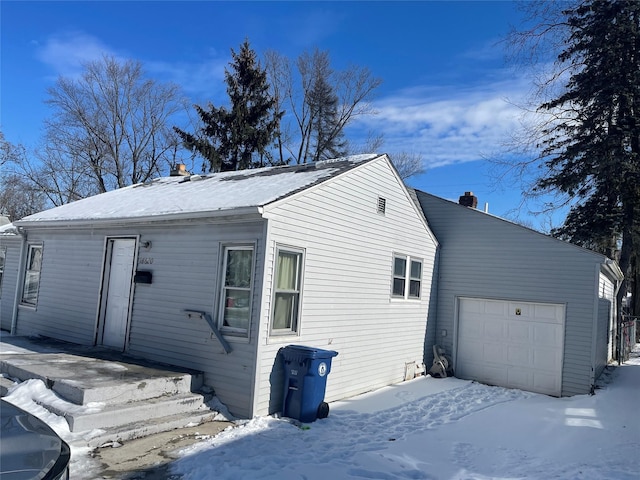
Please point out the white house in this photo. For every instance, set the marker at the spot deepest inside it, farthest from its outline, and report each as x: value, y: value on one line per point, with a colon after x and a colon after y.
x: 218, y: 272
x: 517, y: 308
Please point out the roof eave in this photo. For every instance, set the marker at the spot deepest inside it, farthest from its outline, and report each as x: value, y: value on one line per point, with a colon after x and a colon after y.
x: 253, y: 212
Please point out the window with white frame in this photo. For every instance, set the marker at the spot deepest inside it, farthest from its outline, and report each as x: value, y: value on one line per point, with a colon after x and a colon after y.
x: 407, y: 277
x: 32, y: 275
x: 235, y: 297
x: 3, y: 254
x: 287, y: 290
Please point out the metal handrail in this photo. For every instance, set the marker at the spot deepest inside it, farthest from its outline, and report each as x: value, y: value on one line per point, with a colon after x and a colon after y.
x: 212, y: 324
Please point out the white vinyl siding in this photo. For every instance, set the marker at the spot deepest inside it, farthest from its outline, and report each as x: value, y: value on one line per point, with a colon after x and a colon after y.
x: 346, y: 304
x: 186, y: 262
x: 75, y: 265
x: 187, y: 276
x: 287, y: 291
x: 33, y: 268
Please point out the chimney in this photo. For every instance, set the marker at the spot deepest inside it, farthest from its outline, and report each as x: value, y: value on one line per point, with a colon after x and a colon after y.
x: 179, y: 171
x: 468, y: 200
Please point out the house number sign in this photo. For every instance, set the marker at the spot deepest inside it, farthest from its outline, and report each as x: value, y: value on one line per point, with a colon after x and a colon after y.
x: 145, y: 260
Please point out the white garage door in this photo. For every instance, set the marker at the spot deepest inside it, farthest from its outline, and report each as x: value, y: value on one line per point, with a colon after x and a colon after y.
x: 511, y: 344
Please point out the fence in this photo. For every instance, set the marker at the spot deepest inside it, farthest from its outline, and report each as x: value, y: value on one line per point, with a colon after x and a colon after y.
x: 628, y: 336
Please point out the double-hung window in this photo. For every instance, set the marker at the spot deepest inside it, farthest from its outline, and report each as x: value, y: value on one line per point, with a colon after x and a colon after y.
x: 287, y: 290
x: 235, y: 297
x: 32, y: 275
x: 407, y: 277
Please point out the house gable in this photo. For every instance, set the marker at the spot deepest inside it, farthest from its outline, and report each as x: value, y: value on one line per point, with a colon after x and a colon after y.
x: 347, y: 303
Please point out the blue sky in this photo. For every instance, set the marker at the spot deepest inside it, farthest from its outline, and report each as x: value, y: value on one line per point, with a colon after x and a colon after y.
x: 446, y: 93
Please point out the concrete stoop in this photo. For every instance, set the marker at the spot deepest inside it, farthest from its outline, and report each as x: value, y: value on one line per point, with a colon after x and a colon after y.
x: 113, y: 401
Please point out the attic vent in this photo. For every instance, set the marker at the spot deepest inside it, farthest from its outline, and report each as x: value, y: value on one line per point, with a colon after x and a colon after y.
x: 382, y: 205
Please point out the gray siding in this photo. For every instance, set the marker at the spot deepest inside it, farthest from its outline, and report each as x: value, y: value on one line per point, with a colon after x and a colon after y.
x: 346, y: 304
x: 13, y: 244
x: 487, y: 257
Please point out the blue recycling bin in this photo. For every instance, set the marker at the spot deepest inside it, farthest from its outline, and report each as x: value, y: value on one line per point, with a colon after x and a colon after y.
x: 305, y: 382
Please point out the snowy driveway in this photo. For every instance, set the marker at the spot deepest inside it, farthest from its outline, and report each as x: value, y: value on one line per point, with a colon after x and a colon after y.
x: 439, y: 429
x: 444, y: 429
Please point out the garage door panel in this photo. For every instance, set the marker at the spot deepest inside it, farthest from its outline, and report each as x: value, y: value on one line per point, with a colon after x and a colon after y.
x: 512, y: 344
x: 548, y: 313
x: 518, y: 332
x: 518, y: 356
x: 493, y: 308
x: 547, y: 334
x: 545, y: 359
x: 519, y: 377
x: 493, y: 353
x: 493, y: 330
x: 543, y: 382
x: 474, y: 350
x: 493, y: 375
x: 472, y: 306
x: 474, y: 331
x: 520, y: 310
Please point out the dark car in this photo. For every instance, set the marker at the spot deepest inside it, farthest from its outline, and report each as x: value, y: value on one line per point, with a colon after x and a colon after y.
x: 29, y: 448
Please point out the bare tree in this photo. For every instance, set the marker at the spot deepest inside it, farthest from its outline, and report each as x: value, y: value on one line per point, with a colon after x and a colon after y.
x: 353, y: 87
x: 408, y: 164
x: 9, y: 153
x: 18, y: 196
x: 110, y: 128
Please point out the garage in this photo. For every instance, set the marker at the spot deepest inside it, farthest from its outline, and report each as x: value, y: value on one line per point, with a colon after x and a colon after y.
x: 511, y: 344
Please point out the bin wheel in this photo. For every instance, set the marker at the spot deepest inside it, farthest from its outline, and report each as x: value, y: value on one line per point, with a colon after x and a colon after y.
x: 323, y: 410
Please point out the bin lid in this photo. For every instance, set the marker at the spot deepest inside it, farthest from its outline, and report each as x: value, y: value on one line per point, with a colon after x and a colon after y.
x: 307, y: 352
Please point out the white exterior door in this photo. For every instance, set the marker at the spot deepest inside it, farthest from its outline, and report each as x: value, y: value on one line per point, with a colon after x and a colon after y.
x: 118, y: 291
x: 511, y: 344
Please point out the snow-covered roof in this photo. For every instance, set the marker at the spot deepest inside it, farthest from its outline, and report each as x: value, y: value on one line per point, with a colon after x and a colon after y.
x: 197, y: 195
x: 8, y: 229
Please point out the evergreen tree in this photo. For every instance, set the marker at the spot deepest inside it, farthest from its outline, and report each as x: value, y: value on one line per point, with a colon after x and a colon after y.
x: 237, y: 138
x: 593, y: 151
x: 326, y: 128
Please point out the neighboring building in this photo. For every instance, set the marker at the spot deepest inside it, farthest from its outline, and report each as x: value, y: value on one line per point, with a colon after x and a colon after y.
x: 333, y: 255
x: 517, y: 308
x: 10, y: 248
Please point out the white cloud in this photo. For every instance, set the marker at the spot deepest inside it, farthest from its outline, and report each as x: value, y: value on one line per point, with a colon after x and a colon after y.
x: 199, y: 80
x: 449, y: 125
x: 66, y: 53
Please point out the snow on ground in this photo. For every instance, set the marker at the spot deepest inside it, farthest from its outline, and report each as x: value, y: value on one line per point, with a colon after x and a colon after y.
x: 423, y: 429
x: 440, y: 429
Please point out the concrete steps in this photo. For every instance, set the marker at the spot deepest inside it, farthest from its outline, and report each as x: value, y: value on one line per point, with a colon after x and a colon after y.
x: 115, y: 415
x: 145, y: 428
x: 113, y: 399
x: 5, y: 385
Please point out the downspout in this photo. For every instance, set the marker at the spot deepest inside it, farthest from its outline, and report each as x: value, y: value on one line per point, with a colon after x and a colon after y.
x: 19, y: 281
